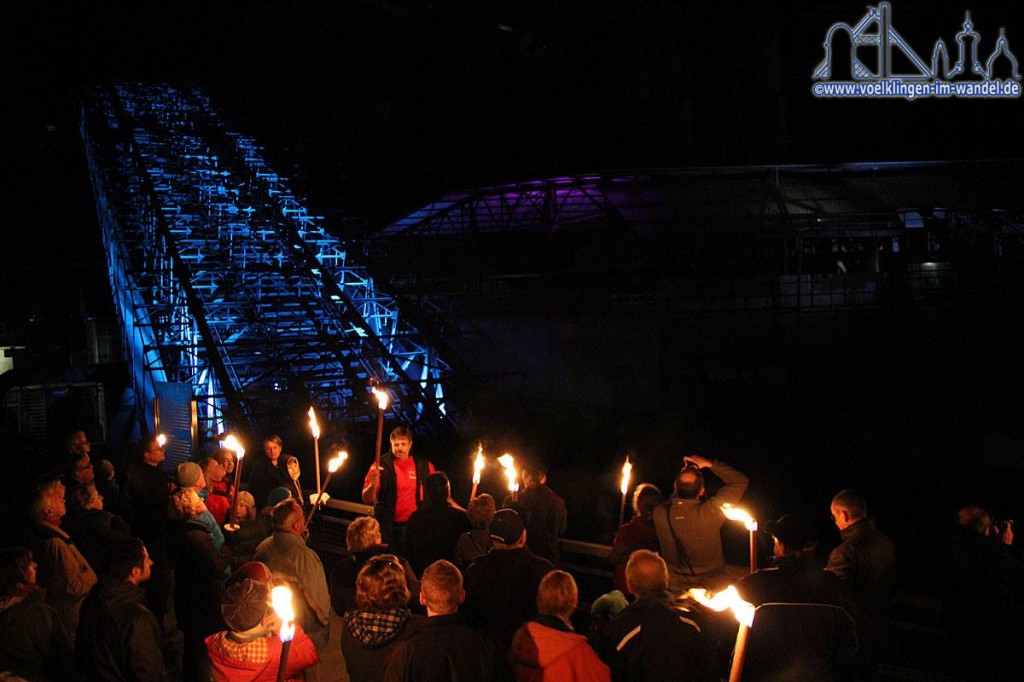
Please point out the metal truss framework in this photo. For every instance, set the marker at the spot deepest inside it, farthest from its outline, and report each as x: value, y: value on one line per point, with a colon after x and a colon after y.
x: 224, y: 281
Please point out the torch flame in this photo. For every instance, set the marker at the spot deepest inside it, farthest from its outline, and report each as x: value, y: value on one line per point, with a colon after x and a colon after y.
x: 231, y: 443
x: 478, y: 464
x: 382, y: 398
x: 314, y: 426
x: 509, y: 464
x: 161, y: 439
x: 627, y: 469
x: 736, y: 514
x: 337, y: 461
x: 728, y: 598
x: 281, y: 598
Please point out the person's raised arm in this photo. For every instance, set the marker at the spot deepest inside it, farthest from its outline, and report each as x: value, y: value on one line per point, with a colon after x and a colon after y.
x: 371, y: 485
x: 735, y: 482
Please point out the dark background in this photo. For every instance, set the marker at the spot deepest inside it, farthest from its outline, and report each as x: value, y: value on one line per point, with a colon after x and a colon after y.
x: 375, y: 108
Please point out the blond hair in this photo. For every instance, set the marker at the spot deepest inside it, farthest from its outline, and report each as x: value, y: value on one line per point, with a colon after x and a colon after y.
x: 362, y: 533
x: 441, y: 587
x: 184, y: 504
x: 557, y: 594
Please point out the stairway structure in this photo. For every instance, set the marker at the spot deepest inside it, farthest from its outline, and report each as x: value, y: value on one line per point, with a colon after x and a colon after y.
x: 227, y: 285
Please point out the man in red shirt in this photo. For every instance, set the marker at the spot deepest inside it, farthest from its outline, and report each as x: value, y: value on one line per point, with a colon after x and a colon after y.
x: 396, y: 490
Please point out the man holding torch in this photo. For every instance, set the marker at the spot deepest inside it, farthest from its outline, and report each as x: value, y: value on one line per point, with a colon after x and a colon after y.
x: 689, y: 528
x: 396, y: 488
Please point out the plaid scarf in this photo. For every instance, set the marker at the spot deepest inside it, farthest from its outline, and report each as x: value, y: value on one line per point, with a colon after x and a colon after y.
x: 376, y: 625
x: 252, y: 651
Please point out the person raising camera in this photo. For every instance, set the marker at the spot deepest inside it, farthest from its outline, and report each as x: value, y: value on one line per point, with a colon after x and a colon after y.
x: 689, y: 527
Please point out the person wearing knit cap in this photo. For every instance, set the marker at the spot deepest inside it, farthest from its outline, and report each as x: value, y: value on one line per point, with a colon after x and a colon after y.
x: 250, y: 649
x: 254, y: 526
x: 246, y: 505
x: 190, y: 476
x: 278, y: 494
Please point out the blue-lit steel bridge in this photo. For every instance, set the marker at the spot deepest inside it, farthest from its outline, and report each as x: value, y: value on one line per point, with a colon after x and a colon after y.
x: 226, y: 284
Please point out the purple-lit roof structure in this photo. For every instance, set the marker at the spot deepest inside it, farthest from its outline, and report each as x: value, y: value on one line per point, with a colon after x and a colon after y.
x: 747, y: 199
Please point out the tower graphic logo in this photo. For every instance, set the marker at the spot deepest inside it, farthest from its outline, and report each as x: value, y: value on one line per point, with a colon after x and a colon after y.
x: 870, y: 59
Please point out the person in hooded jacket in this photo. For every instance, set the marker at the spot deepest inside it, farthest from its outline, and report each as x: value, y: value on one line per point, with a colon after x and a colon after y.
x: 547, y: 649
x: 369, y: 632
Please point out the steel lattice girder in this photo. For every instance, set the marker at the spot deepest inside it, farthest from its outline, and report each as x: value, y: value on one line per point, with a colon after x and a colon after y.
x: 227, y: 281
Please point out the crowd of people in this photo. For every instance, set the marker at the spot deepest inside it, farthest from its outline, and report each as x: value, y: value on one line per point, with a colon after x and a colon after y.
x: 156, y: 577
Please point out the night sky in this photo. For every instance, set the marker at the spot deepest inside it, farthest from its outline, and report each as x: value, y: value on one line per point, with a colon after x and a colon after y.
x: 374, y: 108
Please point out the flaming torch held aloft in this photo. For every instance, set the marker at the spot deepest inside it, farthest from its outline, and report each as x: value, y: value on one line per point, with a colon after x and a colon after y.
x: 743, y: 611
x: 231, y: 443
x: 627, y: 470
x: 508, y: 463
x: 314, y: 427
x: 382, y: 405
x: 332, y: 465
x: 281, y: 598
x: 161, y: 439
x: 736, y: 514
x: 478, y: 467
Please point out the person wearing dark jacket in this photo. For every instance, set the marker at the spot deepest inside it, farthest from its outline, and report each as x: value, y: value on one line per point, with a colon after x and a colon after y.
x: 651, y: 640
x: 501, y: 586
x: 119, y: 638
x: 199, y: 571
x: 543, y: 512
x: 93, y: 528
x: 147, y: 490
x: 253, y: 528
x: 802, y: 626
x: 984, y: 602
x: 33, y: 643
x: 865, y: 562
x: 370, y: 631
x: 441, y: 646
x: 363, y: 541
x: 476, y: 541
x: 435, y: 527
x: 268, y: 471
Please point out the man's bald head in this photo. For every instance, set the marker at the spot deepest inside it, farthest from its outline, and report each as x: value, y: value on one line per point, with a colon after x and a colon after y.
x: 689, y: 483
